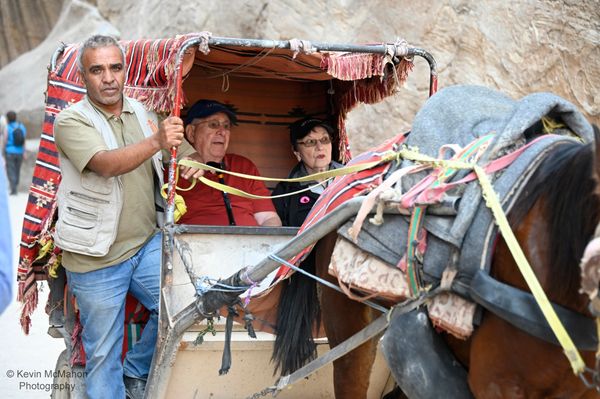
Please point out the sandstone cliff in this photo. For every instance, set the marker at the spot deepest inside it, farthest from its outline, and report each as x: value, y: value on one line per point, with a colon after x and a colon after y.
x: 25, y: 25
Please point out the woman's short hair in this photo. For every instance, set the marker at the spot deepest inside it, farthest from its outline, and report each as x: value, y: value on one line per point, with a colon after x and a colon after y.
x: 302, y: 127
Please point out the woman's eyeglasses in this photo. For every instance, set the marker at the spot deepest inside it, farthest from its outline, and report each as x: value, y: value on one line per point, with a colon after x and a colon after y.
x: 214, y: 124
x: 313, y: 142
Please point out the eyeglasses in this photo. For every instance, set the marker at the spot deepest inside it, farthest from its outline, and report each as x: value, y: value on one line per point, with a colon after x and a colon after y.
x: 214, y: 124
x: 313, y: 142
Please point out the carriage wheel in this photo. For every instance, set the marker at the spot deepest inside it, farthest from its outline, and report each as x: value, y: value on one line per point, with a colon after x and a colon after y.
x: 68, y: 382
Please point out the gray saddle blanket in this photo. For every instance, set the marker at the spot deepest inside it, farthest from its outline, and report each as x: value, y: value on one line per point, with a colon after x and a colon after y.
x: 459, y: 115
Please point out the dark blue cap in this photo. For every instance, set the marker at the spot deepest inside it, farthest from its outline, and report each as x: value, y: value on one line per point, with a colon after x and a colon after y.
x: 301, y: 128
x: 206, y: 108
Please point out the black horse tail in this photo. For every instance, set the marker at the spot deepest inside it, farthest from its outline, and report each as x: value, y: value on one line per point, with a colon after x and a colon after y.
x: 298, y: 315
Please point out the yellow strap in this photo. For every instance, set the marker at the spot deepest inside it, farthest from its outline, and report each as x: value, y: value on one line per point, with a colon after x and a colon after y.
x: 559, y: 330
x: 46, y: 247
x: 324, y: 176
x: 180, y: 207
x: 388, y: 156
x: 53, y: 267
x: 241, y: 193
x: 493, y: 203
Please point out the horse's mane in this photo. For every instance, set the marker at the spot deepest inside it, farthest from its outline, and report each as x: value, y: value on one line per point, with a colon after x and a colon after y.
x: 565, y: 184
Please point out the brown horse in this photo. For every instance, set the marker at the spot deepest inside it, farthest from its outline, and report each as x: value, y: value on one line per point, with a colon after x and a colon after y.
x: 552, y: 220
x: 552, y: 232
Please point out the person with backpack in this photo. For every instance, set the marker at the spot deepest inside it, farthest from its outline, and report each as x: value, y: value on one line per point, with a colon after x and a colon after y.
x: 14, y: 149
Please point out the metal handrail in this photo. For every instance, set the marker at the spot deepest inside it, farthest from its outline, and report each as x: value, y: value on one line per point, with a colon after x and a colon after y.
x: 285, y: 44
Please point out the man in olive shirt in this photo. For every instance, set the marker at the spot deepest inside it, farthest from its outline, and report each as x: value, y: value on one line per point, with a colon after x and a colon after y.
x: 106, y: 142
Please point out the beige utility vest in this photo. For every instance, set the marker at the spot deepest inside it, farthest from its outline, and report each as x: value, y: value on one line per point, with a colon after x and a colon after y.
x: 89, y: 205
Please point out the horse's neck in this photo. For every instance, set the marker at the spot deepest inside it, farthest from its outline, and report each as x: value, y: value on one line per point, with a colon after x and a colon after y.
x: 553, y: 221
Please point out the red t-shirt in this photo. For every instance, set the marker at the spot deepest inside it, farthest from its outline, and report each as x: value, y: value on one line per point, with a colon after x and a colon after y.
x: 205, y: 204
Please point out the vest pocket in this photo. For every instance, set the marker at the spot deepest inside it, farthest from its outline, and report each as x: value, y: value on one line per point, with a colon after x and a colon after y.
x: 79, y: 222
x: 87, y: 198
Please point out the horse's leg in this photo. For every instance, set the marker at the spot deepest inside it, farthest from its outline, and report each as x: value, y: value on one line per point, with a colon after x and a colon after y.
x: 343, y: 317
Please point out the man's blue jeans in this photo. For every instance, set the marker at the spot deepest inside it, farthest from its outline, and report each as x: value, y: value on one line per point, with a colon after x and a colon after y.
x: 101, y: 300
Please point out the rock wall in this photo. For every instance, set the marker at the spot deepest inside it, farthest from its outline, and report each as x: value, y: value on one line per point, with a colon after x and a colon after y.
x: 23, y: 80
x: 25, y: 24
x: 518, y: 47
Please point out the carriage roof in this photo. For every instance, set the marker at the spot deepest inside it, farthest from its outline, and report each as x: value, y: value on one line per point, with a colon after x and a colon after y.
x: 268, y: 82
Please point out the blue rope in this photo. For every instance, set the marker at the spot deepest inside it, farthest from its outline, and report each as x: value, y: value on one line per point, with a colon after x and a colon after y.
x: 324, y: 282
x: 205, y: 284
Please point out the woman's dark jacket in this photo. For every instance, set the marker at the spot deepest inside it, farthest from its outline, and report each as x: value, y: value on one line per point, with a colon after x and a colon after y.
x: 293, y: 209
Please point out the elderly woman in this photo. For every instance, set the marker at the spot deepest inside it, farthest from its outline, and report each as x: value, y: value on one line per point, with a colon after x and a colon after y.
x: 312, y: 144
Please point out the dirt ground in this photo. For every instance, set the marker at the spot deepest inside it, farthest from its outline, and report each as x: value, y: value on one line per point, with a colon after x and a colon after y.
x: 26, y: 361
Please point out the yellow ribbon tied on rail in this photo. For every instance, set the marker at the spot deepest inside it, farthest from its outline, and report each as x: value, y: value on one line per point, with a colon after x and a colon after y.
x: 180, y: 207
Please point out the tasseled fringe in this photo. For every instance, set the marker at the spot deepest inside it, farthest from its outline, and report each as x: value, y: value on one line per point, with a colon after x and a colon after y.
x: 162, y: 99
x: 345, y: 153
x: 403, y: 69
x: 29, y: 301
x: 362, y: 66
x: 77, y: 353
x: 159, y: 99
x: 360, y: 92
x: 156, y: 99
x: 353, y: 66
x: 364, y: 86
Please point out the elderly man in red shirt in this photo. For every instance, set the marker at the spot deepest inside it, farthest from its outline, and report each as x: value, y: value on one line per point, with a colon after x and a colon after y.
x: 208, y: 129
